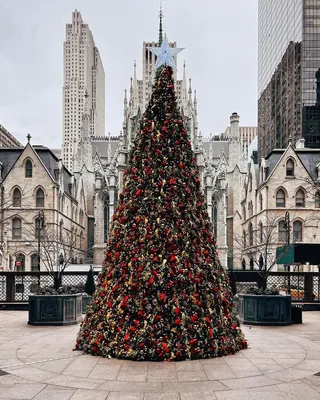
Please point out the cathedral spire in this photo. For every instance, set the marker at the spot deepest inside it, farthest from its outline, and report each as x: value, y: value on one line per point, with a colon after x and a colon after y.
x: 190, y: 92
x: 109, y: 149
x: 86, y: 117
x: 184, y: 84
x: 135, y: 85
x: 125, y: 98
x: 131, y: 92
x: 160, y: 26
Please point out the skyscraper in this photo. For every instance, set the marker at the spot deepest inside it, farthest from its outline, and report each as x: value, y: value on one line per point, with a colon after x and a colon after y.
x: 288, y: 77
x: 83, y: 72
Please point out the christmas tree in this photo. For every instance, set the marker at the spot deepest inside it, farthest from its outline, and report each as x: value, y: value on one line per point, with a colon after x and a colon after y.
x: 162, y: 293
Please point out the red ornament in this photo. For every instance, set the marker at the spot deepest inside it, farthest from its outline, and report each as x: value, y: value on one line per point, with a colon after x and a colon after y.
x: 138, y: 219
x: 138, y: 192
x: 163, y: 296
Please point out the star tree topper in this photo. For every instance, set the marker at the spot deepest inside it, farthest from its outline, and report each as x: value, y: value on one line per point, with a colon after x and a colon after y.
x: 165, y: 54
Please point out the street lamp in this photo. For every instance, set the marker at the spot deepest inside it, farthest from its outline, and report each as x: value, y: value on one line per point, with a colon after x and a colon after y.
x: 40, y: 225
x: 287, y: 226
x: 61, y: 260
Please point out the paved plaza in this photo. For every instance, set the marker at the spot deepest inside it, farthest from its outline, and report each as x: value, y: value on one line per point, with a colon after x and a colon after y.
x: 38, y: 363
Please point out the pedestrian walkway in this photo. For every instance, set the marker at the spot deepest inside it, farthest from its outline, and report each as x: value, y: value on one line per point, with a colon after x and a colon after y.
x: 38, y: 363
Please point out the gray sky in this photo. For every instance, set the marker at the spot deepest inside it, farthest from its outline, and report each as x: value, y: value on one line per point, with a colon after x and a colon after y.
x: 220, y: 40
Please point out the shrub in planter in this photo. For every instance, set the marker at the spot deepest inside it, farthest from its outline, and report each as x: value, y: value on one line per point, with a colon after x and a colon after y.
x: 89, y: 289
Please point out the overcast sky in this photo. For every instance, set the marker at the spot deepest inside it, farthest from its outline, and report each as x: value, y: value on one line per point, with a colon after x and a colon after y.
x: 220, y: 40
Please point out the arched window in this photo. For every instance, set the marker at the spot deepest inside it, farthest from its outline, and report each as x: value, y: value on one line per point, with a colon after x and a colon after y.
x: 283, y: 231
x: 244, y: 239
x: 261, y: 231
x: 297, y: 231
x: 34, y: 261
x: 20, y: 262
x: 280, y: 198
x: 244, y: 213
x: 28, y: 169
x: 317, y: 200
x: 16, y: 228
x: 214, y: 219
x: 250, y: 234
x: 16, y: 198
x: 300, y: 198
x: 61, y: 231
x: 260, y: 201
x: 81, y: 217
x: 250, y: 182
x: 40, y: 198
x: 290, y: 167
x: 81, y: 237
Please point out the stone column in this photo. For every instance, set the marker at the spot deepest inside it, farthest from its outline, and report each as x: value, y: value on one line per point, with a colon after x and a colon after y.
x: 222, y: 225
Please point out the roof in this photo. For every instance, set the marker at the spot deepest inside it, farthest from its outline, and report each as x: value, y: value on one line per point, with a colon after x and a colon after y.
x: 218, y: 146
x: 9, y: 156
x: 308, y: 157
x: 101, y: 147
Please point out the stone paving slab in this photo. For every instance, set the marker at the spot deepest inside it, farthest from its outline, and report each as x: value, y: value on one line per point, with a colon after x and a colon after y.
x: 281, y: 363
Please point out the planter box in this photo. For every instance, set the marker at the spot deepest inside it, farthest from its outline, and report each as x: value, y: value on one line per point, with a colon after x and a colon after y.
x: 55, y: 310
x: 86, y: 301
x: 264, y: 309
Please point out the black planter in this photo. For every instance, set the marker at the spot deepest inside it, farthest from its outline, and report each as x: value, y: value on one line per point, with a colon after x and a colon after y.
x: 55, y: 310
x: 264, y: 309
x: 86, y: 301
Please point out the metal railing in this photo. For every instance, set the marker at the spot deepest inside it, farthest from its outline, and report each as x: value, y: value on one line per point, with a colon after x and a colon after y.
x: 303, y: 286
x: 17, y: 286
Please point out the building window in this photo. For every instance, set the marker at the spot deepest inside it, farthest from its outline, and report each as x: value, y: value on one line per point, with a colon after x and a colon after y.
x: 250, y: 234
x: 244, y: 213
x: 34, y: 262
x: 16, y: 228
x: 290, y: 168
x: 40, y: 198
x: 20, y: 262
x: 28, y: 169
x: 16, y: 198
x: 280, y: 198
x: 250, y: 182
x: 297, y: 231
x: 261, y: 231
x: 244, y: 239
x: 261, y: 201
x: 283, y: 231
x: 317, y: 200
x: 300, y: 198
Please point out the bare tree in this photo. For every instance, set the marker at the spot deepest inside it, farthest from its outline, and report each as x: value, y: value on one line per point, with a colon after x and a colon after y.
x: 265, y: 245
x: 56, y: 249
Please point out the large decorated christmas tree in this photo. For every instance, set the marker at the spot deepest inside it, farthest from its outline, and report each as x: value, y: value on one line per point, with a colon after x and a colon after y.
x: 162, y: 293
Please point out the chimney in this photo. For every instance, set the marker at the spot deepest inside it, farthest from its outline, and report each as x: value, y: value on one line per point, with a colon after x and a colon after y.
x: 300, y: 144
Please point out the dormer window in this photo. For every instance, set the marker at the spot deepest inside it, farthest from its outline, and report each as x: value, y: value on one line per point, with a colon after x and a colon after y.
x: 28, y: 169
x: 290, y: 168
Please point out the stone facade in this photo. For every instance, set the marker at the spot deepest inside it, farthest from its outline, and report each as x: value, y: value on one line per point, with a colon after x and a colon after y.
x: 282, y: 202
x: 37, y: 189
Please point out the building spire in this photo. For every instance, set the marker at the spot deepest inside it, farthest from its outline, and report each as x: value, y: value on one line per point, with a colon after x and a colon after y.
x: 109, y: 149
x: 160, y: 26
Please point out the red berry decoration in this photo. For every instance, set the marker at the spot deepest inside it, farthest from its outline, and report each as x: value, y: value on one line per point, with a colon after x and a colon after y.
x: 162, y: 293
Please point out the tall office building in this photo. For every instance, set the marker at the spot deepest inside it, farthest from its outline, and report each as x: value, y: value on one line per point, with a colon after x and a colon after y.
x: 83, y: 73
x: 288, y: 73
